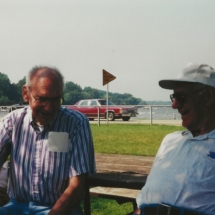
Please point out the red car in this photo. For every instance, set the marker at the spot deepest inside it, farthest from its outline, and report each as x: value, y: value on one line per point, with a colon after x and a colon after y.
x: 90, y: 108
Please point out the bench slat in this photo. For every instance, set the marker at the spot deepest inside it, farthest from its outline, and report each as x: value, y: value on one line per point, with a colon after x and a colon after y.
x: 112, y: 191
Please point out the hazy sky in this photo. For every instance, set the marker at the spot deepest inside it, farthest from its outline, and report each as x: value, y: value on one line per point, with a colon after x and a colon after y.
x: 138, y: 41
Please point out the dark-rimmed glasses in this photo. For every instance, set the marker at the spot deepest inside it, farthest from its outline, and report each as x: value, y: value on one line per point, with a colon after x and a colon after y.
x: 182, y: 96
x: 43, y: 100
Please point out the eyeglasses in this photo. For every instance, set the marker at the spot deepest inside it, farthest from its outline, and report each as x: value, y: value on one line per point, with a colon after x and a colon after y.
x: 181, y: 97
x: 43, y: 100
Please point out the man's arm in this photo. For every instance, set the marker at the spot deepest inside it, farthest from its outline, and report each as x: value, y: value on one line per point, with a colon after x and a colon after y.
x: 71, y: 197
x: 5, y: 142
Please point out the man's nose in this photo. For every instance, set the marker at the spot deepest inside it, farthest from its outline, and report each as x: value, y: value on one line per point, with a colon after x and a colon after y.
x: 176, y: 104
x: 48, y: 106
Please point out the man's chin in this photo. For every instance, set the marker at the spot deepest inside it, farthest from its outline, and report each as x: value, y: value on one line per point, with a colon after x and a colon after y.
x: 185, y: 121
x: 185, y: 124
x: 188, y: 125
x: 43, y: 121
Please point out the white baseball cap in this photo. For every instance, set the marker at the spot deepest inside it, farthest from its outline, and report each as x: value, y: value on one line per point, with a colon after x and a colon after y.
x: 195, y: 73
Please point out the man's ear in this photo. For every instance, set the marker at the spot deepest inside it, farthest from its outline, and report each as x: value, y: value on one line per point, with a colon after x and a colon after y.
x: 25, y: 94
x: 211, y: 97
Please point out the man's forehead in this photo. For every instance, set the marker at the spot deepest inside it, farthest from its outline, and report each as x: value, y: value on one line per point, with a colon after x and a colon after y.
x: 45, y: 77
x: 45, y: 73
x: 45, y: 86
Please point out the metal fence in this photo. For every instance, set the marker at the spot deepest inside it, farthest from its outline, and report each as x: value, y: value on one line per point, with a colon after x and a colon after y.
x: 4, y: 108
x: 150, y: 108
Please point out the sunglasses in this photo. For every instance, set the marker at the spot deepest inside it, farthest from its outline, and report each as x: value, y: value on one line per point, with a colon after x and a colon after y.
x: 181, y: 97
x: 42, y: 100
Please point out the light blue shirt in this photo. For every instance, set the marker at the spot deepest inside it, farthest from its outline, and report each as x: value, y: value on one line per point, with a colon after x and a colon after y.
x: 40, y: 166
x: 183, y: 173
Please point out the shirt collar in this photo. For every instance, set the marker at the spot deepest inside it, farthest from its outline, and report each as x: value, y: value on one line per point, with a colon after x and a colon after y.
x: 210, y: 135
x: 34, y: 124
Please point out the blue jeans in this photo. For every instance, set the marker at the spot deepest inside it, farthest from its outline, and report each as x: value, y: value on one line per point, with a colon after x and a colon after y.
x: 14, y: 207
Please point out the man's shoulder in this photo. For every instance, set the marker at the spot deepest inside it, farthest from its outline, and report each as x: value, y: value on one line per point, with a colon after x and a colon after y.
x: 70, y: 120
x: 172, y: 139
x: 13, y: 118
x: 177, y: 134
x: 72, y: 114
x: 16, y: 114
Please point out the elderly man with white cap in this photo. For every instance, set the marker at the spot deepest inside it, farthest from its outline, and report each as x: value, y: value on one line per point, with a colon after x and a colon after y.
x: 182, y: 178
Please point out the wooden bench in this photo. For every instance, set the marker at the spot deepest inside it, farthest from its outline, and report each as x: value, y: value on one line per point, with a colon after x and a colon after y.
x: 119, y: 176
x: 120, y: 186
x: 121, y: 195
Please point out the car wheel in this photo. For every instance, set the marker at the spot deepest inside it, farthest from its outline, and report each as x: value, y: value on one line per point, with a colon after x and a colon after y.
x: 111, y: 116
x: 125, y: 118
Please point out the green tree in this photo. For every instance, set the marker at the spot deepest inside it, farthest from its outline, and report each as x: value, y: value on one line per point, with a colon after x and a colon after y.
x: 12, y: 93
x: 4, y: 84
x: 72, y: 93
x: 4, y: 101
x: 70, y: 86
x: 19, y: 86
x: 7, y: 90
x: 72, y: 97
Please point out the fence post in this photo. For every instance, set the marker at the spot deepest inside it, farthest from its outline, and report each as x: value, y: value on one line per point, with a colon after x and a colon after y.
x: 150, y: 114
x: 98, y: 116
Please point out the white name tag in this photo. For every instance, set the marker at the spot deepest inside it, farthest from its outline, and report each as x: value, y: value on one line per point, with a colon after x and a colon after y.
x: 58, y: 142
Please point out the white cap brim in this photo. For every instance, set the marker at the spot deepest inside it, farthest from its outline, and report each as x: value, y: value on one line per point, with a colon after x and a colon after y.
x: 193, y: 73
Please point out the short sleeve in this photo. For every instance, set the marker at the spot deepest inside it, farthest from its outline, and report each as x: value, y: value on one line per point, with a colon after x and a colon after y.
x: 82, y: 151
x: 5, y: 140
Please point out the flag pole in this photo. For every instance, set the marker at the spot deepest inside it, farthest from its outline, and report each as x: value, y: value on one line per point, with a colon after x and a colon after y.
x: 107, y: 104
x: 107, y: 77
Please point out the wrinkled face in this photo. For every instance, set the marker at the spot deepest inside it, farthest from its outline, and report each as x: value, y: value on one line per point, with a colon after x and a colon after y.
x: 192, y: 108
x: 44, y: 97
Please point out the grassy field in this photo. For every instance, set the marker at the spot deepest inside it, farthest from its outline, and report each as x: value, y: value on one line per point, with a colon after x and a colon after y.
x: 125, y: 139
x: 135, y: 139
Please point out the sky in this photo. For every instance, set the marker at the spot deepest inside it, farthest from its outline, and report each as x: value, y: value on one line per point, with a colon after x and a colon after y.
x: 138, y: 41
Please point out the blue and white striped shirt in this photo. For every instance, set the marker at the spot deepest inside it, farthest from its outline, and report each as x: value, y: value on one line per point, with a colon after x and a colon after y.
x: 37, y: 173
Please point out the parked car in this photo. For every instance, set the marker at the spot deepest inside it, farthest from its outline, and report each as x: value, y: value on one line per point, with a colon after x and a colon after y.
x: 90, y: 108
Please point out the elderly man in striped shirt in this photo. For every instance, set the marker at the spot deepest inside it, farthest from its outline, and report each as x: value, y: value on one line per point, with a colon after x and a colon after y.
x: 50, y: 147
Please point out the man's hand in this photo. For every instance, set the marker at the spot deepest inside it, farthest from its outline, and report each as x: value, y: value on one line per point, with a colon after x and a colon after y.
x: 137, y: 211
x: 71, y: 197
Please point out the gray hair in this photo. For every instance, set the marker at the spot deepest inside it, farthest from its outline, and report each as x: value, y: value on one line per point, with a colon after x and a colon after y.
x: 33, y: 71
x: 203, y: 86
x: 207, y: 89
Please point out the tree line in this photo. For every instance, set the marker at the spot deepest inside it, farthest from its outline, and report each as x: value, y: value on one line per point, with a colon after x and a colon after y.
x: 11, y: 93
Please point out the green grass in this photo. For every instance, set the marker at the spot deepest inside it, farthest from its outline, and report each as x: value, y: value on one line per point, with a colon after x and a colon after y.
x: 135, y: 139
x: 109, y: 207
x: 101, y: 206
x: 130, y: 139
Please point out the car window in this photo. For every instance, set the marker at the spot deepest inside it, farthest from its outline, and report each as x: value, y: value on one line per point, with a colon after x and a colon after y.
x: 84, y: 103
x: 103, y: 102
x: 110, y: 103
x: 93, y: 103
